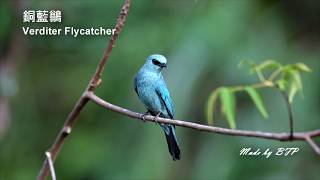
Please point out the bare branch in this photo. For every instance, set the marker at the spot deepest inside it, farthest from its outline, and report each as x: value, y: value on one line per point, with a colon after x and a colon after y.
x: 200, y: 127
x: 94, y: 82
x: 290, y: 113
x: 313, y: 145
x: 53, y: 174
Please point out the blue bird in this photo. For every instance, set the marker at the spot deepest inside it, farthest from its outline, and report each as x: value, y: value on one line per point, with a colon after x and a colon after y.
x: 153, y: 93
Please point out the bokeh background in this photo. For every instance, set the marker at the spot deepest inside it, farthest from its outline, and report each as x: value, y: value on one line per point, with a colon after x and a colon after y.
x: 204, y: 41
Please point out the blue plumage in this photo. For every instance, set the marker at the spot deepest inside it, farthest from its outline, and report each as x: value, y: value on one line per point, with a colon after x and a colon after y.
x: 153, y: 93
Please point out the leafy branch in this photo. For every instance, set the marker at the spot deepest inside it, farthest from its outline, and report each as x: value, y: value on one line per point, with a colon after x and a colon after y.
x: 271, y: 74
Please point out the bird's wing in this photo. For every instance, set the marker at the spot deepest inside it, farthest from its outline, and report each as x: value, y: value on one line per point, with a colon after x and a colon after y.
x: 135, y: 86
x: 164, y: 95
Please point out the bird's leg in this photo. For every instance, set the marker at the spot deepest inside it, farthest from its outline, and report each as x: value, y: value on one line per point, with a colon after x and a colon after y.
x: 144, y: 114
x: 155, y: 118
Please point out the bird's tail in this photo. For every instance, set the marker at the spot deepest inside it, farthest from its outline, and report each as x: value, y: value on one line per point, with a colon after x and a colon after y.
x: 172, y: 141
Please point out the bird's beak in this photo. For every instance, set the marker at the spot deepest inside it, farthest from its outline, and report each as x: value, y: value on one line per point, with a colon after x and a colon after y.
x: 163, y: 65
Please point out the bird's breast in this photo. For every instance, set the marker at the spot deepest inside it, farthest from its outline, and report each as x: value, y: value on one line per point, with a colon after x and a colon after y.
x: 146, y: 87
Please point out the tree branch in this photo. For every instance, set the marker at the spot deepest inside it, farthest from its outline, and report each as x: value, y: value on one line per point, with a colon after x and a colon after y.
x: 290, y: 113
x: 313, y: 145
x: 94, y: 82
x: 257, y: 134
x: 53, y: 174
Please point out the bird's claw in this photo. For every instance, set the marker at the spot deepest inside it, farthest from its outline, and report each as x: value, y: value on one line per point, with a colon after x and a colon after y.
x: 155, y: 118
x: 143, y: 115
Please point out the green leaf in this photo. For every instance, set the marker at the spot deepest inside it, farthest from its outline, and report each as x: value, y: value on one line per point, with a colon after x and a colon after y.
x: 302, y: 67
x: 282, y: 84
x: 257, y: 99
x: 292, y: 76
x: 295, y: 75
x: 211, y: 106
x: 268, y: 64
x: 292, y: 92
x: 228, y: 104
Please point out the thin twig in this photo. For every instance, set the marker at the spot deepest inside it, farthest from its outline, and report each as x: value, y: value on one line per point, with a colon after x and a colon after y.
x: 260, y: 76
x: 94, y: 82
x: 290, y: 113
x: 263, y: 84
x: 200, y: 127
x: 53, y: 174
x: 275, y: 73
x: 313, y: 145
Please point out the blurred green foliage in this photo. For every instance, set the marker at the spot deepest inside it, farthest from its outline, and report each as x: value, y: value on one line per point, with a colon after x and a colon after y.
x: 285, y: 78
x: 203, y: 40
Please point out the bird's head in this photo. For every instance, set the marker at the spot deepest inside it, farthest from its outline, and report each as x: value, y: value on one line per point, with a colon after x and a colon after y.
x: 156, y: 61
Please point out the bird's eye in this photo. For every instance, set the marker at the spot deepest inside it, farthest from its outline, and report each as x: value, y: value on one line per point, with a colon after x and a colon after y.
x: 155, y: 62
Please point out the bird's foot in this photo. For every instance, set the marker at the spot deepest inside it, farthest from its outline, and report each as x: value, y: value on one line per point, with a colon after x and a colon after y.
x: 143, y: 115
x: 156, y: 117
